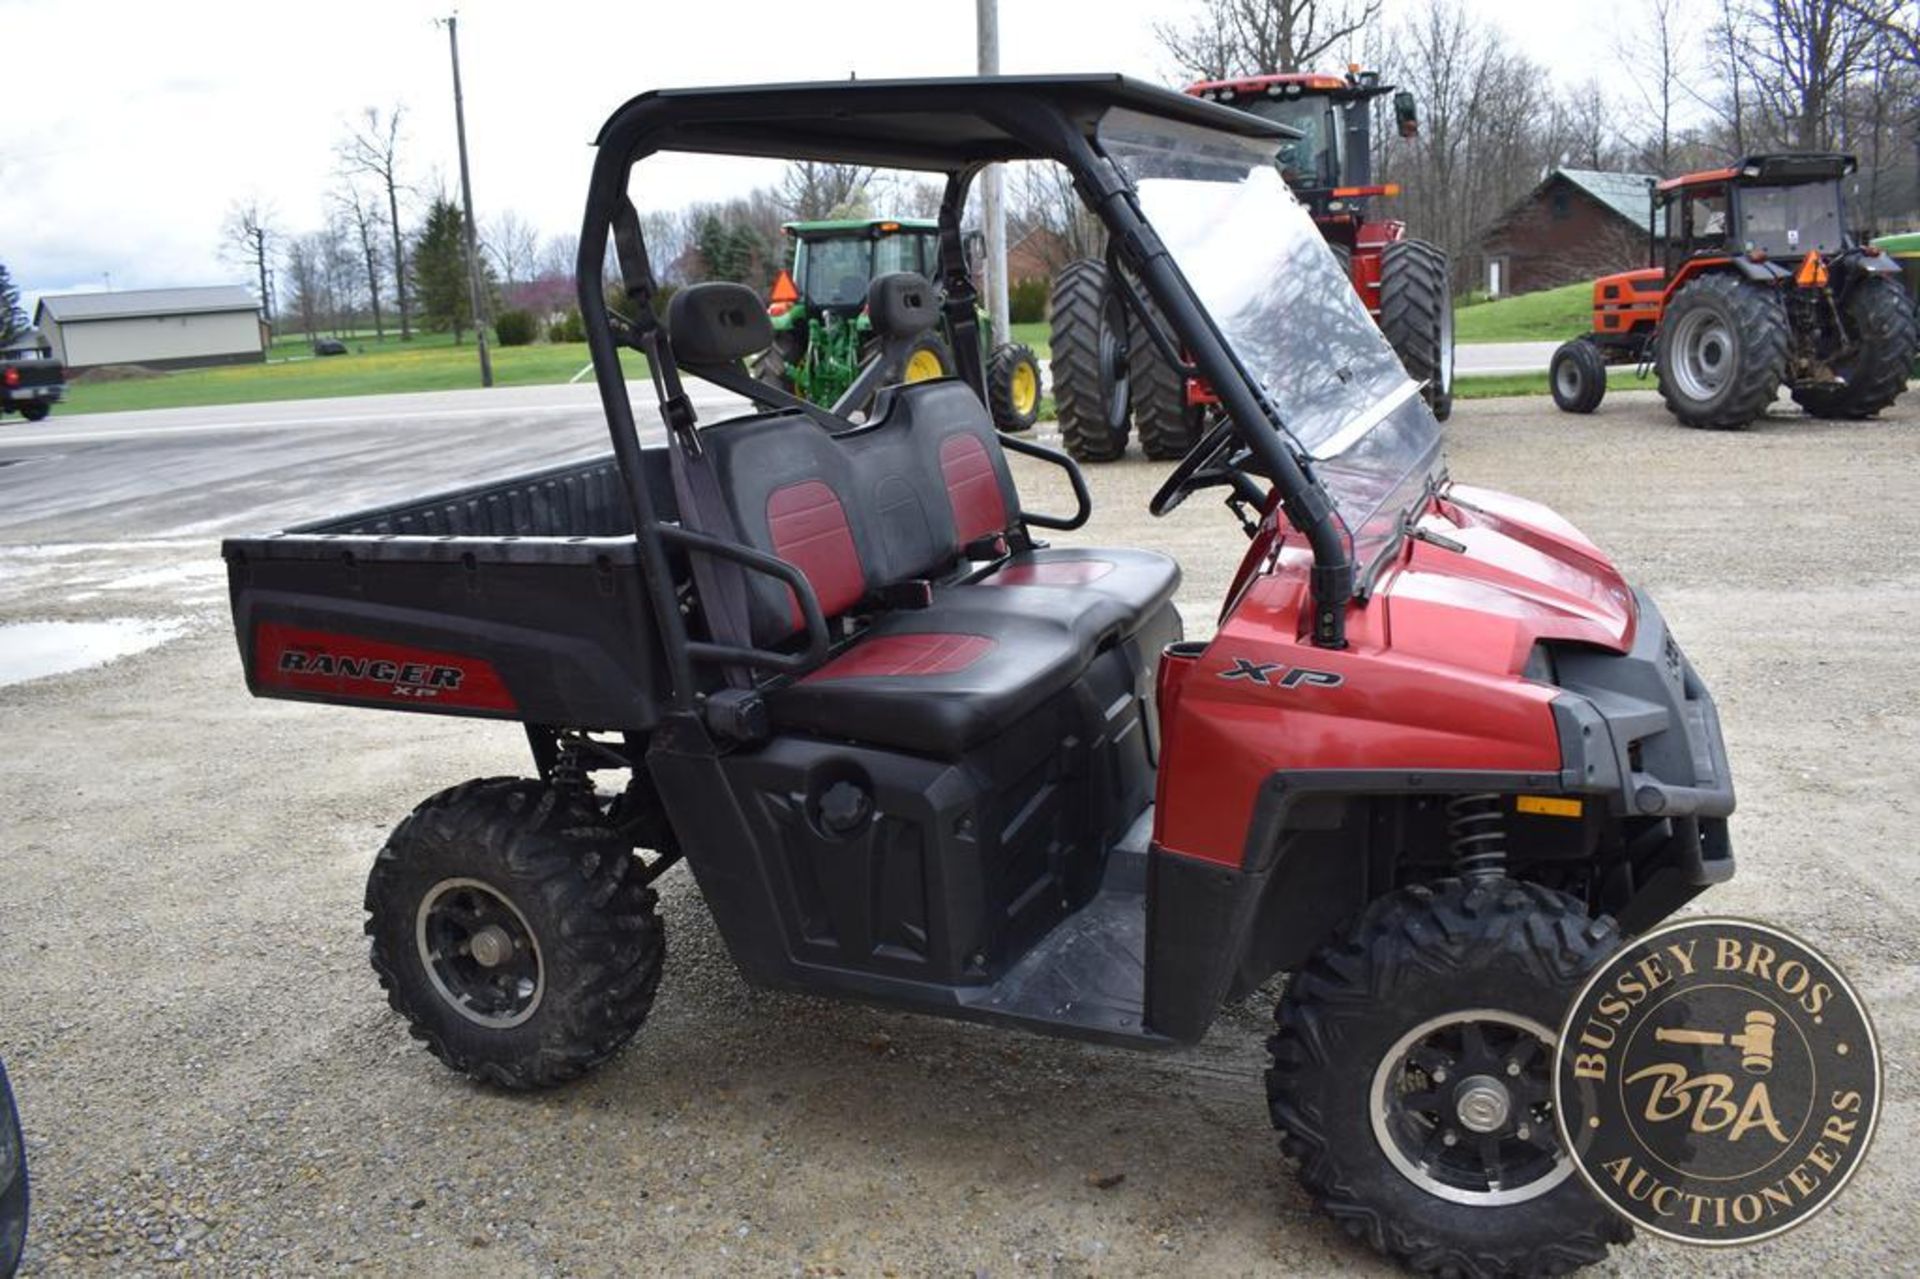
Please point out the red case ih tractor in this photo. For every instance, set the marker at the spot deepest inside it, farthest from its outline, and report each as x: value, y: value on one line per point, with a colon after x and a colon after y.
x: 1404, y: 282
x: 1758, y: 284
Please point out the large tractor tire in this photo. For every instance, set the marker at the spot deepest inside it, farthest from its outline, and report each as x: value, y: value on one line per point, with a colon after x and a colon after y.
x: 771, y: 368
x: 1416, y: 314
x: 1412, y: 1079
x: 1013, y: 387
x: 1880, y: 320
x: 511, y: 932
x: 1578, y: 374
x: 1722, y: 351
x: 1167, y: 425
x: 1090, y: 374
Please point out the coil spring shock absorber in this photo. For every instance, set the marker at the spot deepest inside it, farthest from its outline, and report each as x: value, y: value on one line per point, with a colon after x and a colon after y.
x: 1477, y: 836
x: 569, y: 774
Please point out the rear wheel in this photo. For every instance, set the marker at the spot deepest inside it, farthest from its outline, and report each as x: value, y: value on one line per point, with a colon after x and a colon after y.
x: 510, y: 931
x: 1090, y: 375
x: 1579, y: 376
x: 1416, y: 314
x: 1412, y: 1079
x: 1879, y: 321
x: 36, y: 412
x: 1722, y: 351
x: 1013, y: 387
x: 1167, y: 425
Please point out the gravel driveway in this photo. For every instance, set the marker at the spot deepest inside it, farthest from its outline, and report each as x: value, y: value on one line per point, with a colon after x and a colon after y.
x: 212, y: 1083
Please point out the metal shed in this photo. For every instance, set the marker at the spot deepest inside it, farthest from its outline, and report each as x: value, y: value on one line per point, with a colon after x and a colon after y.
x: 157, y: 328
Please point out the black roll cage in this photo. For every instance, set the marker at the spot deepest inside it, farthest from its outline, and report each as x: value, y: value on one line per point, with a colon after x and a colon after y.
x: 954, y: 127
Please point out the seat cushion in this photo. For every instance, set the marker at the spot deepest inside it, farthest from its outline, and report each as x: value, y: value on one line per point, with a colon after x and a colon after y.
x: 1101, y: 593
x: 935, y: 681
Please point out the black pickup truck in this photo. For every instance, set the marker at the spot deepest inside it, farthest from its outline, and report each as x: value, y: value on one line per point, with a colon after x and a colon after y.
x: 30, y: 384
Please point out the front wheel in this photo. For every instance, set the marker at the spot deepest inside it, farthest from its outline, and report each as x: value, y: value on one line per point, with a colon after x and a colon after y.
x: 510, y: 930
x: 1013, y: 387
x: 1579, y: 376
x: 1412, y: 1078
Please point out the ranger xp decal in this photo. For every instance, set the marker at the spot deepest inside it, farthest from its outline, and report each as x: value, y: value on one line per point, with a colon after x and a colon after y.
x: 305, y: 661
x: 1286, y: 677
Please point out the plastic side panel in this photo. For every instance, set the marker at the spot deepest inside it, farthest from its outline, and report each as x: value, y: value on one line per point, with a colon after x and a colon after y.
x: 555, y: 634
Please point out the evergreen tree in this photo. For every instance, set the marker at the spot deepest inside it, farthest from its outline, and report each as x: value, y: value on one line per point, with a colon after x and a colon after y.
x: 439, y: 269
x: 12, y: 318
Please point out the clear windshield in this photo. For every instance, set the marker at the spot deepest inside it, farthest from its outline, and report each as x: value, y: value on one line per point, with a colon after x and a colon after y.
x: 1313, y: 159
x: 1788, y: 221
x: 1278, y: 295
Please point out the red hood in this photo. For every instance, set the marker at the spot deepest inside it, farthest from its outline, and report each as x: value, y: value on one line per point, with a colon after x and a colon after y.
x: 1526, y: 575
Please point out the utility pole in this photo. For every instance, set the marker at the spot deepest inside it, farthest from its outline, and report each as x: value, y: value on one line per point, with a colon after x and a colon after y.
x: 987, y: 13
x: 466, y: 197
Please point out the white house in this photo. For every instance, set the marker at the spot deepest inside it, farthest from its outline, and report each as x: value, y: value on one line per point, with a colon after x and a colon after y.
x: 158, y: 328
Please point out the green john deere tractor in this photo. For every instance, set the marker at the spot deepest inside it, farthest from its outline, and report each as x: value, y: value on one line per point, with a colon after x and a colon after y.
x: 822, y: 336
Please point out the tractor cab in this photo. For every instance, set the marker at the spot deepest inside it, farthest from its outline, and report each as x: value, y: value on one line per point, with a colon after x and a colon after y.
x: 835, y: 261
x: 1768, y: 207
x: 1330, y: 165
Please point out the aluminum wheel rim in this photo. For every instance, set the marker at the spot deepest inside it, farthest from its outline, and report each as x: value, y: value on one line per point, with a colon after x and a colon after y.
x: 460, y: 916
x: 1446, y: 345
x: 1702, y: 355
x: 1437, y: 1062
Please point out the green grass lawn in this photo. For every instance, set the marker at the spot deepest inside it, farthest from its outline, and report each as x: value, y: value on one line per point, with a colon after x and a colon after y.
x: 1552, y: 315
x: 430, y: 362
x: 1493, y: 386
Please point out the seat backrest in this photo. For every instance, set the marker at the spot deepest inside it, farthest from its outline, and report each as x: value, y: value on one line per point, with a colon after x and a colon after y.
x: 890, y: 502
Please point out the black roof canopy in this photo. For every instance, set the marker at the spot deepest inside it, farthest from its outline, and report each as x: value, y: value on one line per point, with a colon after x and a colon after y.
x: 938, y: 124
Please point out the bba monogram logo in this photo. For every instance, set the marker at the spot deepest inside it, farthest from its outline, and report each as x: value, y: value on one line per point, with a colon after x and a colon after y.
x: 1717, y: 1081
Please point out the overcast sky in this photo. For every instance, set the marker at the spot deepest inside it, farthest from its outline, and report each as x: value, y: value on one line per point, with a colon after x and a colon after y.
x: 132, y: 126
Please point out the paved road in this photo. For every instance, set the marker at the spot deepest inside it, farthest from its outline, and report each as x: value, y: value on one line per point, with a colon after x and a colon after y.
x: 1503, y: 357
x: 205, y: 472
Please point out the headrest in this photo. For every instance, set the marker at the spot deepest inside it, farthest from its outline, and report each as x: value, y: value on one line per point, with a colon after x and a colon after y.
x: 717, y: 323
x: 902, y: 305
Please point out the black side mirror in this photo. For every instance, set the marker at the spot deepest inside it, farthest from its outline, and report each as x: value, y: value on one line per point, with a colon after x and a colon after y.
x: 1406, y: 115
x: 13, y: 1183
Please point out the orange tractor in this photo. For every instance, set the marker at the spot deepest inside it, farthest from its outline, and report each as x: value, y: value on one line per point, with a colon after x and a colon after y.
x: 1329, y: 167
x: 1753, y: 283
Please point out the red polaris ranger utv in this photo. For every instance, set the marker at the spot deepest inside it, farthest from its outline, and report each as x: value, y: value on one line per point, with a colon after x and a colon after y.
x: 1437, y: 759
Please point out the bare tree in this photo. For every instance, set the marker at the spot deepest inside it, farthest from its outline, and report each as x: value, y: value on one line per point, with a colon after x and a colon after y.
x: 373, y: 148
x: 1228, y: 38
x: 247, y: 236
x: 513, y: 244
x: 810, y: 190
x: 1797, y: 54
x: 363, y: 218
x: 1655, y: 48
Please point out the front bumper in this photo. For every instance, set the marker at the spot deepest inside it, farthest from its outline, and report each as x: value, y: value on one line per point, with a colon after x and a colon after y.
x: 1640, y: 728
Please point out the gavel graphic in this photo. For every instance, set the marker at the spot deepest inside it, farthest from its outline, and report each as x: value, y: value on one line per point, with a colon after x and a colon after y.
x: 1755, y: 1042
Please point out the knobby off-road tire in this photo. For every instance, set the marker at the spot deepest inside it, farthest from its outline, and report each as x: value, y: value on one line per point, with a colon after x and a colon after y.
x: 1722, y: 351
x: 1013, y: 387
x: 1416, y: 314
x: 1578, y: 375
x: 545, y: 871
x: 1091, y: 389
x: 1499, y: 950
x: 1879, y: 317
